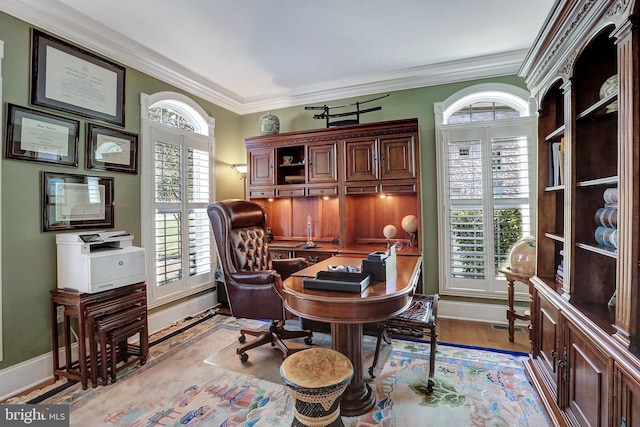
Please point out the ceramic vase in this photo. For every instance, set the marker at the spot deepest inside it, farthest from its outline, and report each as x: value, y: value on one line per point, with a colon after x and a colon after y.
x: 269, y: 124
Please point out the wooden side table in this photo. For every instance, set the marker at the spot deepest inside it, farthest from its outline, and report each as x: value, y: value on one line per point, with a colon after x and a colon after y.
x: 75, y: 307
x: 512, y: 315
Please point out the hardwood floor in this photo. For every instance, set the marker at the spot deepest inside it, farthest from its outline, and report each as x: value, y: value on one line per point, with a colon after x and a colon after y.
x: 482, y: 335
x: 477, y: 334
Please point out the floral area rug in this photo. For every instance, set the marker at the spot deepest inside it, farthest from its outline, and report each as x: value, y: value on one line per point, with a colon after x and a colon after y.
x: 473, y: 387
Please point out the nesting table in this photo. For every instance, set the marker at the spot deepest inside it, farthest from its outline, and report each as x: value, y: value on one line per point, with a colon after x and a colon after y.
x: 77, y: 311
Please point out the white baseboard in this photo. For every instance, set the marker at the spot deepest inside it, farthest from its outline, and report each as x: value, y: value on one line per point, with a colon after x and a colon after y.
x: 474, y: 312
x: 161, y: 319
x: 31, y: 373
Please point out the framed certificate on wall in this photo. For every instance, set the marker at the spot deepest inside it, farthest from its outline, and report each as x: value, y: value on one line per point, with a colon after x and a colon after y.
x: 72, y: 201
x: 41, y: 137
x: 111, y: 149
x: 67, y: 78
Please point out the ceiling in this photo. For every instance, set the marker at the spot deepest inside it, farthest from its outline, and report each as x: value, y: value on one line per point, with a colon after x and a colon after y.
x: 256, y: 55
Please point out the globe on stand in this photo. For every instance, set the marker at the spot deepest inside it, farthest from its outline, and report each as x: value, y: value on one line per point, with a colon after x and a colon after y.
x: 522, y: 257
x: 410, y: 226
x: 389, y: 231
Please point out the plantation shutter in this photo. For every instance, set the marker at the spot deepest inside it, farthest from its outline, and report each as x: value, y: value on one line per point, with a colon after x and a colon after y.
x: 485, y: 200
x: 182, y: 169
x: 199, y: 234
x: 466, y: 209
x: 168, y: 196
x: 510, y: 180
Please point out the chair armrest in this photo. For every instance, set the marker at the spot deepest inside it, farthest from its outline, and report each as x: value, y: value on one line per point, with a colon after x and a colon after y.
x: 286, y: 267
x: 262, y: 277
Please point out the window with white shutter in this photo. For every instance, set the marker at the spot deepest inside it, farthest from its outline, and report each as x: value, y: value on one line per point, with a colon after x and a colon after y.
x: 486, y: 196
x: 177, y: 188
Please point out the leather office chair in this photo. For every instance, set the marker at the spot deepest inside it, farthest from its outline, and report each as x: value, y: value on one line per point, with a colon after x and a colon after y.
x: 253, y: 280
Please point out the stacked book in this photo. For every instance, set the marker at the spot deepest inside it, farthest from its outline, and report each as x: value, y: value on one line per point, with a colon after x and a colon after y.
x: 560, y: 270
x: 556, y: 163
x: 606, y: 233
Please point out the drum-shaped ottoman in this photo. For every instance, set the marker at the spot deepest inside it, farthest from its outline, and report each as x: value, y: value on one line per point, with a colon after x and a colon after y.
x: 316, y: 379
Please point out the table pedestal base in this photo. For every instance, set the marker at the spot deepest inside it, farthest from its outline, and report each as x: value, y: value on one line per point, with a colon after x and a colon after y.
x: 359, y: 398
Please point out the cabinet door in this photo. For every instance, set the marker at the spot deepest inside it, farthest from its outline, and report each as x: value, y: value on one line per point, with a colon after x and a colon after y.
x: 587, y: 380
x: 261, y: 162
x: 360, y: 160
x: 546, y: 342
x: 626, y: 411
x: 397, y: 158
x: 322, y: 163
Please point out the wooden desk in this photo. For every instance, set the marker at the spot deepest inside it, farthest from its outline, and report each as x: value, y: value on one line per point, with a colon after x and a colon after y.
x: 347, y: 312
x: 512, y: 315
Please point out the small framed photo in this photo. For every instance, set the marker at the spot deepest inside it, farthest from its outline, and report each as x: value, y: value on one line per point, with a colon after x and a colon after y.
x: 72, y: 201
x: 41, y: 137
x: 111, y: 149
x: 67, y: 78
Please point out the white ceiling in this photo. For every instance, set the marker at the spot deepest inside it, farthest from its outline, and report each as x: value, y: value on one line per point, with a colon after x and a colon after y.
x: 256, y: 55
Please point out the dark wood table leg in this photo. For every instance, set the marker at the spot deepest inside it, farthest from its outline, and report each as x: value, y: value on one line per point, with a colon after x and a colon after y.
x: 511, y: 310
x: 359, y: 398
x: 54, y: 340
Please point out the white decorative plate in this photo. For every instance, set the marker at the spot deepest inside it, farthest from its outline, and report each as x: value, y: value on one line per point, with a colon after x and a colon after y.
x: 609, y: 87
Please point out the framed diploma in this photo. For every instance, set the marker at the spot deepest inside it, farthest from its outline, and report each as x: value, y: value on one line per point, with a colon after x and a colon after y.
x: 76, y: 201
x: 41, y: 137
x: 111, y: 149
x: 70, y: 79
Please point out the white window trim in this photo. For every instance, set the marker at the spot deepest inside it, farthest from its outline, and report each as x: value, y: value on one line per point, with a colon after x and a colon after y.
x: 516, y: 98
x: 203, y: 125
x: 1, y: 115
x: 182, y: 104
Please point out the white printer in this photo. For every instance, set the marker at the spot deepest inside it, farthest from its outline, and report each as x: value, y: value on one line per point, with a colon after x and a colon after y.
x: 98, y: 261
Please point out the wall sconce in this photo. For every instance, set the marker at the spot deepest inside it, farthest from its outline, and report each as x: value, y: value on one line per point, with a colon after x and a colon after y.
x: 241, y: 169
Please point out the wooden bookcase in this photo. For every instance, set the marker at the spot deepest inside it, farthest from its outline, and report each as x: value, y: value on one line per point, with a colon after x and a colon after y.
x: 585, y: 346
x: 352, y: 180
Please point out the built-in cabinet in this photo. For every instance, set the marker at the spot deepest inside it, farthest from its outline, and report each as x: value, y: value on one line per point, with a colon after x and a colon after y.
x: 584, y: 71
x: 341, y: 185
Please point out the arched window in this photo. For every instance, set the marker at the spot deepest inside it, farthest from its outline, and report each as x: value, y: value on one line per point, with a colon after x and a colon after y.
x: 177, y: 186
x: 484, y: 136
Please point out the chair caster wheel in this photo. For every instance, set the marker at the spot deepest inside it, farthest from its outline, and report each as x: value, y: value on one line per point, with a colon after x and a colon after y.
x: 242, y: 339
x: 244, y: 357
x: 308, y: 340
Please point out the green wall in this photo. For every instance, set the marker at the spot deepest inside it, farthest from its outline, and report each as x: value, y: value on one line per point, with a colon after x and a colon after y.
x: 29, y: 255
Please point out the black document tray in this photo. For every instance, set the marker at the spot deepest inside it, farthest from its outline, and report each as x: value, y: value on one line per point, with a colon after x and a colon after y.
x: 337, y: 281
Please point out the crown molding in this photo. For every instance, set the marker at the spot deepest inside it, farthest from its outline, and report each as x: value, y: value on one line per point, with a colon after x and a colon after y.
x: 57, y: 18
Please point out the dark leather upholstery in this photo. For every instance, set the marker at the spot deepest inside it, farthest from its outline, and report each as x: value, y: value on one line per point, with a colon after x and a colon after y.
x: 253, y: 280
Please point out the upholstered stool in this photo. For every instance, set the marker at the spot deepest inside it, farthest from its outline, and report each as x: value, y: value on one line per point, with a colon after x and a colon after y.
x: 316, y: 379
